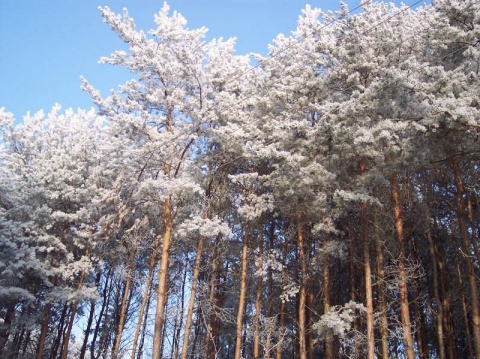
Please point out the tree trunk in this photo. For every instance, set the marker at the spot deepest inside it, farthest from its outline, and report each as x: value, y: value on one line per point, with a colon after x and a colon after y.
x: 73, y: 311
x: 368, y: 282
x: 271, y: 236
x: 197, y: 331
x: 258, y: 299
x: 43, y: 331
x: 302, y: 299
x: 7, y: 321
x: 166, y: 243
x: 211, y: 326
x: 353, y: 295
x: 382, y: 302
x: 106, y: 299
x: 402, y: 280
x: 465, y: 312
x: 142, y: 338
x: 162, y: 280
x: 447, y: 309
x: 474, y: 239
x: 123, y: 306
x: 146, y: 296
x: 193, y: 293
x: 243, y: 290
x: 90, y: 320
x: 60, y: 333
x: 281, y: 327
x: 368, y: 274
x: 310, y: 316
x: 18, y: 341
x: 326, y: 307
x: 474, y: 304
x: 179, y: 317
x: 436, y: 292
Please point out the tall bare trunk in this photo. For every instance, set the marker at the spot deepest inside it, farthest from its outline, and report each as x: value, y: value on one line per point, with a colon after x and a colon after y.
x: 382, y: 302
x: 123, y: 306
x: 193, y: 293
x: 436, y: 292
x: 60, y: 333
x: 258, y: 299
x: 402, y: 280
x: 447, y: 309
x: 352, y: 270
x: 302, y: 299
x: 326, y: 307
x: 146, y: 296
x: 106, y: 299
x: 281, y: 327
x: 243, y: 289
x: 144, y: 328
x: 465, y: 312
x: 90, y: 320
x: 474, y: 239
x: 43, y: 331
x: 474, y: 305
x: 162, y: 280
x: 193, y: 349
x: 368, y: 282
x: 196, y: 273
x: 271, y: 236
x: 211, y: 326
x: 179, y: 316
x: 368, y: 274
x: 73, y: 311
x: 310, y: 320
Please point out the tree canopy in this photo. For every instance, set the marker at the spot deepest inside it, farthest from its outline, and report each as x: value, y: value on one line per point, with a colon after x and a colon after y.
x: 322, y: 201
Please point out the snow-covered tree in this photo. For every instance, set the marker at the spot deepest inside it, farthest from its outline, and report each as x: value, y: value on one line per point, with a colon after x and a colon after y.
x: 53, y: 175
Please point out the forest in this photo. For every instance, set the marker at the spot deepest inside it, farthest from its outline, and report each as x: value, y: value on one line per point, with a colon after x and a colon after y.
x: 319, y: 202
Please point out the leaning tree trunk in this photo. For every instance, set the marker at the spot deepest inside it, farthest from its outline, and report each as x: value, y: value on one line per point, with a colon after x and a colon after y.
x: 402, y: 280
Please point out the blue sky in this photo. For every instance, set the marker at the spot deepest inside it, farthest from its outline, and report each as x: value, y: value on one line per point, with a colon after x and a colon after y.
x: 46, y: 45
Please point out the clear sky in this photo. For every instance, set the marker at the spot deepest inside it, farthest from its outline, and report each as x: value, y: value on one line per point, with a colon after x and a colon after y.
x: 46, y: 45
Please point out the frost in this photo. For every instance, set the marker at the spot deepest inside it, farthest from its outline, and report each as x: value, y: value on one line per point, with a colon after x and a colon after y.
x: 205, y: 227
x: 339, y: 319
